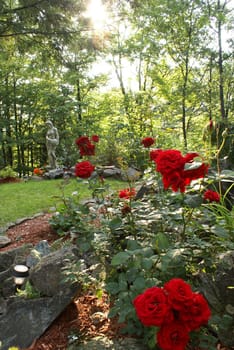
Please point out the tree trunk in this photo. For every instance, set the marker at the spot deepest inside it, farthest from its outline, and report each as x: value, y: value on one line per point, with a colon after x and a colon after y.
x: 220, y: 62
x: 79, y: 101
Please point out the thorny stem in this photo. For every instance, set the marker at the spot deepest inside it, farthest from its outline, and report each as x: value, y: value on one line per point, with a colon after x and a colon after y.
x: 186, y: 219
x: 131, y: 220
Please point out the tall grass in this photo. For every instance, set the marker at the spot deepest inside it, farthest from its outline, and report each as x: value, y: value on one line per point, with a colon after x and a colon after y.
x: 25, y: 199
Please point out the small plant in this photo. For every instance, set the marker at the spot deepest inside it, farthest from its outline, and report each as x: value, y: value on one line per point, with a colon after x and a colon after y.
x: 29, y: 292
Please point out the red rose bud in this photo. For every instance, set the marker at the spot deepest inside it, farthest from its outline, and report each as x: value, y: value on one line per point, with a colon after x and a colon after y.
x: 147, y: 142
x: 95, y: 138
x: 87, y: 150
x: 211, y: 196
x: 82, y: 140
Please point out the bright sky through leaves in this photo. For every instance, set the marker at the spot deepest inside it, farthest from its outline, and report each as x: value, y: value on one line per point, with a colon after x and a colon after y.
x: 96, y: 11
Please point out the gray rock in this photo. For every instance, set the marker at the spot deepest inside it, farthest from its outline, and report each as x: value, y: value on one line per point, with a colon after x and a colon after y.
x: 104, y: 343
x: 41, y: 249
x: 107, y: 171
x: 14, y: 256
x: 48, y: 275
x: 8, y: 286
x: 4, y: 241
x: 27, y: 319
x: 218, y: 290
x: 35, y: 178
x: 4, y: 228
x: 111, y: 171
x: 54, y: 174
x: 24, y: 320
x: 130, y: 174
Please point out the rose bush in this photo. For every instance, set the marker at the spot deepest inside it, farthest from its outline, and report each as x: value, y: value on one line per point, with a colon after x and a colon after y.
x: 153, y: 235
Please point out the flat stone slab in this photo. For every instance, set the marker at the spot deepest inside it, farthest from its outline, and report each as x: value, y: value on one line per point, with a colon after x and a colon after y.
x: 4, y: 241
x: 104, y: 343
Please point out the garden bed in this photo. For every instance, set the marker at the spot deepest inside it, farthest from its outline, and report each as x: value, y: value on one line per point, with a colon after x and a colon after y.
x: 86, y: 317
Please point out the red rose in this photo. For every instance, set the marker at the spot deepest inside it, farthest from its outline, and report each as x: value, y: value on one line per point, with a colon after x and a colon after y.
x: 151, y: 306
x: 175, y: 181
x: 170, y: 164
x: 87, y: 150
x: 147, y: 142
x: 198, y: 313
x: 194, y: 174
x: 211, y: 196
x: 95, y: 138
x: 154, y: 154
x: 188, y: 158
x: 169, y: 161
x: 127, y: 193
x: 82, y: 140
x: 85, y: 146
x: 173, y: 336
x: 179, y: 293
x: 84, y: 169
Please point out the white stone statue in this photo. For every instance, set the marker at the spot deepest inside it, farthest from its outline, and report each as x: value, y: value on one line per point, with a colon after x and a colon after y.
x: 52, y: 141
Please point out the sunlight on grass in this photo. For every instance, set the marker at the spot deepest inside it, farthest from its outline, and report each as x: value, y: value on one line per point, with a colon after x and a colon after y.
x: 24, y: 199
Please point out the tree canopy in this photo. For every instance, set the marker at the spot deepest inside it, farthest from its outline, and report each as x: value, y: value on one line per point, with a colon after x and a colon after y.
x: 173, y: 68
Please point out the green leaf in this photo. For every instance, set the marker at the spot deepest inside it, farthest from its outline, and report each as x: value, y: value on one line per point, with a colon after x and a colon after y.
x: 115, y: 223
x: 133, y: 245
x: 84, y: 246
x: 161, y: 242
x: 120, y: 258
x: 220, y: 231
x: 193, y: 201
x: 132, y: 274
x: 113, y: 312
x: 147, y: 264
x: 123, y: 286
x: 139, y: 283
x: 192, y: 166
x: 112, y: 287
x: 227, y: 173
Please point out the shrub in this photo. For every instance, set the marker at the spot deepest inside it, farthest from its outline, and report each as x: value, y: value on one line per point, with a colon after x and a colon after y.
x: 144, y: 239
x: 8, y: 172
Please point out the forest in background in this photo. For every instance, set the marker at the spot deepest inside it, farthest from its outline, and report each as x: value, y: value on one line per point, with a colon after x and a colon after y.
x: 183, y: 84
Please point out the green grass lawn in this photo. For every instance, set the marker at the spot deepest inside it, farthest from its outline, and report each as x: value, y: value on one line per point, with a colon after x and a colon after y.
x: 25, y: 199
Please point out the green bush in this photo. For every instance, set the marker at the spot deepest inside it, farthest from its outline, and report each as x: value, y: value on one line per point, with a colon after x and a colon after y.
x: 8, y: 172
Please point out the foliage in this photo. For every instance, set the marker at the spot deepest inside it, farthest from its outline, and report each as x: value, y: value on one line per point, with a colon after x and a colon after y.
x: 47, y: 62
x: 7, y: 172
x: 28, y: 291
